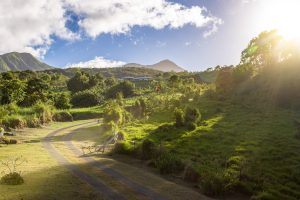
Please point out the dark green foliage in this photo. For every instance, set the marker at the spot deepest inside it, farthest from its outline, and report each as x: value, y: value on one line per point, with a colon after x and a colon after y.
x: 122, y: 147
x: 62, y: 101
x: 148, y: 149
x: 80, y: 82
x: 63, y: 116
x: 85, y: 98
x: 174, y: 80
x: 168, y: 163
x: 192, y: 115
x: 224, y: 81
x: 125, y: 87
x: 12, y: 179
x: 179, y: 119
x: 213, y: 184
x: 11, y: 91
x: 191, y: 126
x: 35, y: 91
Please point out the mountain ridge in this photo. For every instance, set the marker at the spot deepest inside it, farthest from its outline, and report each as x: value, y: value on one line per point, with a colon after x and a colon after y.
x: 164, y: 65
x: 15, y: 61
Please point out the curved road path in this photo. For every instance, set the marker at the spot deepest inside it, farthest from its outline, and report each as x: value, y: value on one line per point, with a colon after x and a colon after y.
x: 96, y: 183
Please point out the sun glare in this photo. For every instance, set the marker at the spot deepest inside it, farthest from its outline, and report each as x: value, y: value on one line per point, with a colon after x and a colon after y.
x: 282, y: 15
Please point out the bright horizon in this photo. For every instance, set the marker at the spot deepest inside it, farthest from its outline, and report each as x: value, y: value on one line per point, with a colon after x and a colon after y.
x: 194, y: 34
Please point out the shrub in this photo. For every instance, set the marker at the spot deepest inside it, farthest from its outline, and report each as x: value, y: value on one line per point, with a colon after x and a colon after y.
x: 191, y: 126
x: 4, y: 140
x: 14, y: 121
x: 63, y: 116
x: 85, y: 98
x: 122, y: 147
x: 62, y: 101
x: 192, y: 115
x: 167, y: 163
x: 179, y: 120
x: 114, y: 113
x: 213, y: 184
x: 125, y: 87
x: 148, y: 149
x: 13, y: 178
x: 109, y: 126
x: 13, y: 141
x: 33, y: 121
x: 44, y: 112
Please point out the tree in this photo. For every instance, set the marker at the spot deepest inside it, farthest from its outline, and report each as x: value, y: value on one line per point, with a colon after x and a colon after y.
x: 174, y: 80
x: 179, y: 120
x: 224, y: 80
x: 62, y: 101
x: 263, y: 50
x: 85, y: 98
x: 79, y: 82
x: 192, y: 115
x: 11, y: 91
x: 35, y: 91
x: 125, y: 87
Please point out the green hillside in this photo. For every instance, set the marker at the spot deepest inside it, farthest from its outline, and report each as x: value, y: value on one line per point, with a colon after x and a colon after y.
x: 20, y: 62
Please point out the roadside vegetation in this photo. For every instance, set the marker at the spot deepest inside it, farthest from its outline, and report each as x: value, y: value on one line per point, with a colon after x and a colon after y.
x: 230, y: 130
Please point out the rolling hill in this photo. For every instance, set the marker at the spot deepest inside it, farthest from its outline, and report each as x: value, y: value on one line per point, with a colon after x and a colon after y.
x: 164, y: 66
x: 21, y: 61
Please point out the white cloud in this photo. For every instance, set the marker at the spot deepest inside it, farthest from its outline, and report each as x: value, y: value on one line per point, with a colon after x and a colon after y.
x: 98, y: 62
x: 27, y: 26
x: 119, y: 16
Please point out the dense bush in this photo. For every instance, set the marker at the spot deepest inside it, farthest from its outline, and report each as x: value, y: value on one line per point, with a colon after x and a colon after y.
x: 85, y: 98
x: 122, y: 147
x: 213, y: 184
x: 179, y: 119
x: 62, y: 101
x: 147, y: 149
x: 168, y: 163
x: 192, y: 115
x: 191, y: 126
x: 12, y: 179
x: 44, y: 112
x: 125, y: 87
x: 14, y: 121
x: 63, y: 116
x: 33, y: 121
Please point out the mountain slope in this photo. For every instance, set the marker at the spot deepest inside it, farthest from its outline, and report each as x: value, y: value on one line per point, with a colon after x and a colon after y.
x: 21, y: 61
x: 164, y: 65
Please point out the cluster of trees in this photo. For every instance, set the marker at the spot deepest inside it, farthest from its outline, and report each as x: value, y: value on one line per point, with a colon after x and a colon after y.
x: 24, y: 88
x: 269, y: 69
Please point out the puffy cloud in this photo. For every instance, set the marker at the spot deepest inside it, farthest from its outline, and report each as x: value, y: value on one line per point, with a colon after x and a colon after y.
x: 27, y: 26
x: 119, y: 16
x: 98, y: 62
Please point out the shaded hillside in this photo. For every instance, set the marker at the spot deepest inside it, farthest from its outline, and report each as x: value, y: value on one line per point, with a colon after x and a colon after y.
x: 164, y: 66
x: 20, y: 62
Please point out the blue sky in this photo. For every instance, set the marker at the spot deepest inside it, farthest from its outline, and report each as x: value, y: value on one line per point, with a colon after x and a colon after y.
x: 68, y: 32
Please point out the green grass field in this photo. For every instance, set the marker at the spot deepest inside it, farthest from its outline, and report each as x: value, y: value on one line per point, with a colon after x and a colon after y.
x: 44, y: 177
x: 255, y: 149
